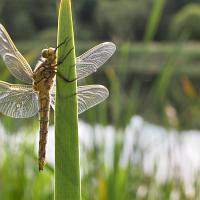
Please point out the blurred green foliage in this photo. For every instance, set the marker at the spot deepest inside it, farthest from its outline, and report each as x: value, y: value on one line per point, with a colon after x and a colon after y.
x: 19, y: 177
x: 154, y: 19
x: 24, y: 19
x: 123, y: 19
x: 185, y: 22
x: 99, y: 19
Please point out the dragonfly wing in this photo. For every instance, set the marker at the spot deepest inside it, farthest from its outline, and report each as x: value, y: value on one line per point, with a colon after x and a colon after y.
x: 91, y: 60
x: 90, y: 95
x: 53, y: 95
x: 53, y: 100
x: 18, y: 101
x: 87, y: 95
x: 16, y: 63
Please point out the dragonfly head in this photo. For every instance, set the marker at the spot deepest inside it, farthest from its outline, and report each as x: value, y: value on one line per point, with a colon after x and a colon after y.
x: 49, y: 54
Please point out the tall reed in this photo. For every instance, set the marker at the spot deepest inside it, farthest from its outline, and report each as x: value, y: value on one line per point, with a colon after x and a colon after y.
x: 67, y: 172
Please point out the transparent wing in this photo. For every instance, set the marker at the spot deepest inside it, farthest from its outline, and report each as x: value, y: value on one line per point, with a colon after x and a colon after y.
x: 18, y: 101
x: 90, y: 95
x: 87, y: 95
x: 91, y: 60
x: 16, y: 63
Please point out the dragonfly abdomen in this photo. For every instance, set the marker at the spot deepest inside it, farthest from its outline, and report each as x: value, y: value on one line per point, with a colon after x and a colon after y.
x: 44, y: 99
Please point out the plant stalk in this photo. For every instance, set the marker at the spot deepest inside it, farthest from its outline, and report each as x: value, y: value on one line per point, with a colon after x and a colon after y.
x: 67, y: 167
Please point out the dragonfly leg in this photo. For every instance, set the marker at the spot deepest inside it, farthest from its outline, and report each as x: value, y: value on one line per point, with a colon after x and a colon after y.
x: 62, y: 60
x: 64, y: 78
x: 67, y: 39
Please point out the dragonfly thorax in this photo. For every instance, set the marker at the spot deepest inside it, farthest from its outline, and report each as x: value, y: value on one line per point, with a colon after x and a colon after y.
x: 44, y: 73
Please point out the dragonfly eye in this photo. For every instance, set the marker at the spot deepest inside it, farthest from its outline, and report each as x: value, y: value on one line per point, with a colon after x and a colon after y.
x: 45, y: 53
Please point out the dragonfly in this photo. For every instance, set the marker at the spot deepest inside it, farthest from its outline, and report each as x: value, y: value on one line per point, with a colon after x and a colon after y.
x: 38, y: 93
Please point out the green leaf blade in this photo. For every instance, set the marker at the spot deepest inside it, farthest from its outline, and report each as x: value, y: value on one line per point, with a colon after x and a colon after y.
x: 67, y: 167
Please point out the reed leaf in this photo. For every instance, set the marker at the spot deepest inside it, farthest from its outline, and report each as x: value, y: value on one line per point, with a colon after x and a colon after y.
x: 154, y: 20
x: 67, y: 173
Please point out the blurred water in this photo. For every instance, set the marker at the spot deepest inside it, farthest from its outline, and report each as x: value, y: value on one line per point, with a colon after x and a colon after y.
x: 164, y: 153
